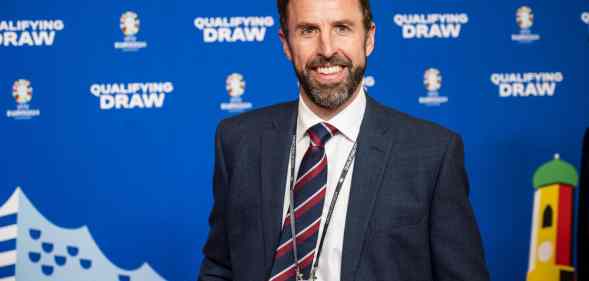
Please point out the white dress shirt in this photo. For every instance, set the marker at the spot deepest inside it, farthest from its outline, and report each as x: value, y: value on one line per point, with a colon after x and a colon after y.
x: 337, y: 150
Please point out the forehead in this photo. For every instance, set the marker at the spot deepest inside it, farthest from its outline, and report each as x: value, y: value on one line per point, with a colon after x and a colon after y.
x: 323, y: 10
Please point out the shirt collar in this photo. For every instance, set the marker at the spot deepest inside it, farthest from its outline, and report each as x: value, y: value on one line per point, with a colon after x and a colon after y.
x: 346, y: 121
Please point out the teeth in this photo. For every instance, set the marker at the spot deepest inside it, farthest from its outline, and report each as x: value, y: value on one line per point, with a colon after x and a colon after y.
x: 329, y: 70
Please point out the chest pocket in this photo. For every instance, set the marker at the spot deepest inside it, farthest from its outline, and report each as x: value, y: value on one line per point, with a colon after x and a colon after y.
x: 387, y: 217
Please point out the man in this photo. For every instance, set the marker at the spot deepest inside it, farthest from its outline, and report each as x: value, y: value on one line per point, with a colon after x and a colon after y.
x: 377, y: 195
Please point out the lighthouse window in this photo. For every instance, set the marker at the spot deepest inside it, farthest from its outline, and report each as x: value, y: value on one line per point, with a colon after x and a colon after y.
x: 547, y: 217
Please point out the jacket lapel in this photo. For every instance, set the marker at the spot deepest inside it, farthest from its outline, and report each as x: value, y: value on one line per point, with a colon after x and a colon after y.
x: 275, y: 144
x: 374, y: 145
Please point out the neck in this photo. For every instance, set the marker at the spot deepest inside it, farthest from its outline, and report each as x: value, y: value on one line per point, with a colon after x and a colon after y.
x: 328, y: 113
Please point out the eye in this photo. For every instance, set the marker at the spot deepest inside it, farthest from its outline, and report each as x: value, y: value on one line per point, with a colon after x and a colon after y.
x: 307, y: 30
x: 342, y: 29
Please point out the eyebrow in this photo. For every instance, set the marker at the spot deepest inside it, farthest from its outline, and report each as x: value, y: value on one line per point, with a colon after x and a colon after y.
x: 305, y: 24
x: 338, y: 22
x: 343, y: 22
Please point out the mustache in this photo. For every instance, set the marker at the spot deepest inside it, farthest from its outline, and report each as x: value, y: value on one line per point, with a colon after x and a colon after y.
x: 336, y: 59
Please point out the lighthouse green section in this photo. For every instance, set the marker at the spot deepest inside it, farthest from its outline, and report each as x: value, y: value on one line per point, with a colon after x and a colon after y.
x: 555, y: 171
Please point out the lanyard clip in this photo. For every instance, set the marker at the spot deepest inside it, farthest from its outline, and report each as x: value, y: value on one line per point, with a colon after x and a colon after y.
x: 314, y: 274
x: 299, y: 276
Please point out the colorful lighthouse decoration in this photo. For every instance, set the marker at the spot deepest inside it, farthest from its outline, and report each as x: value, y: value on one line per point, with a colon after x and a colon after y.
x: 552, y: 223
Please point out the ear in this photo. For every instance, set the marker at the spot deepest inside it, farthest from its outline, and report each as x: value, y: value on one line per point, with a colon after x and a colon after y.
x: 369, y: 44
x: 284, y: 40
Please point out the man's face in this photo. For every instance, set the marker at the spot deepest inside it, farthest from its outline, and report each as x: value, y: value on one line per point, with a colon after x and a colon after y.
x: 328, y: 45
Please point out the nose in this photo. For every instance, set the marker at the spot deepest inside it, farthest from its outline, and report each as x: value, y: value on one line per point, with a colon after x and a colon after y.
x: 326, y: 45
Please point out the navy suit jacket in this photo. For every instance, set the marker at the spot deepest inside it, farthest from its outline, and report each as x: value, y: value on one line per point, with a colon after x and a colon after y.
x: 409, y: 216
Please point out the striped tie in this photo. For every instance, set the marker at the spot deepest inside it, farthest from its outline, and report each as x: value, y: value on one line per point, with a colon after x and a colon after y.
x: 309, y: 194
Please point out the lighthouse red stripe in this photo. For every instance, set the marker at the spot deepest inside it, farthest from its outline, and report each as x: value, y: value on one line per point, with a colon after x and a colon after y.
x: 291, y: 271
x: 565, y: 225
x: 314, y: 138
x: 316, y: 199
x: 301, y: 210
x: 285, y: 274
x: 310, y: 175
x: 301, y: 237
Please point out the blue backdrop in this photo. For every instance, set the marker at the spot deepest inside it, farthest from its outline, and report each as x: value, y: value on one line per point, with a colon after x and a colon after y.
x: 108, y: 116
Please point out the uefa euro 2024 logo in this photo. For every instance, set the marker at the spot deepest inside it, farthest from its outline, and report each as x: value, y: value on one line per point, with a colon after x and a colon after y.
x: 524, y: 17
x: 130, y: 23
x: 130, y: 26
x: 432, y: 80
x: 235, y: 86
x: 22, y: 91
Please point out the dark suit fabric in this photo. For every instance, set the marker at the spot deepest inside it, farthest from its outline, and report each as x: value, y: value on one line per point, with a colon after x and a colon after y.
x: 408, y: 219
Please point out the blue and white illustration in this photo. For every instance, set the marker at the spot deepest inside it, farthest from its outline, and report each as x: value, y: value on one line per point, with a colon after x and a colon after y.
x: 32, y: 248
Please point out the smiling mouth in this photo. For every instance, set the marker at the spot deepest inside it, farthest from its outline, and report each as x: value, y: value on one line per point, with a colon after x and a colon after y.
x: 329, y: 73
x: 326, y: 70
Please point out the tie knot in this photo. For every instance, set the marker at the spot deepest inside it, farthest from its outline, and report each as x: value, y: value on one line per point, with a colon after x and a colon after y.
x: 320, y: 133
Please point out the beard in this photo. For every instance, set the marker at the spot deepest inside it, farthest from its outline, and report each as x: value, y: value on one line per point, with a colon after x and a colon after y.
x: 332, y: 95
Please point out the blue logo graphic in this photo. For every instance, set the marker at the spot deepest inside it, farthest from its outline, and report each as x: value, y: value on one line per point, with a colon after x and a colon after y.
x: 32, y: 248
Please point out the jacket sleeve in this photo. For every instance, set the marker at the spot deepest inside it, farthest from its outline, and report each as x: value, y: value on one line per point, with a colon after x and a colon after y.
x: 216, y: 264
x: 457, y: 252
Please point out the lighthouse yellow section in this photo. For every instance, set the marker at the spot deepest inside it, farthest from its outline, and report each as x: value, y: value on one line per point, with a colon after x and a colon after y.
x: 543, y: 265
